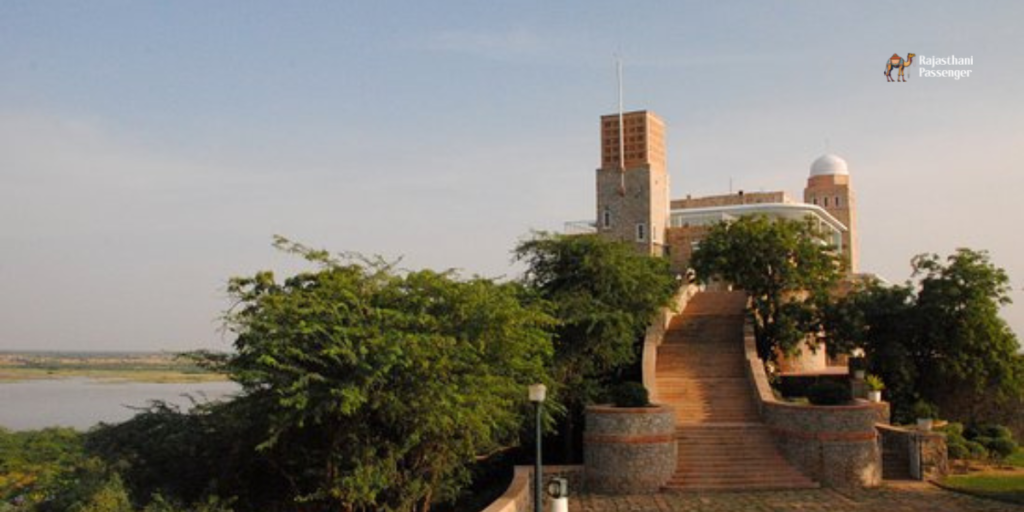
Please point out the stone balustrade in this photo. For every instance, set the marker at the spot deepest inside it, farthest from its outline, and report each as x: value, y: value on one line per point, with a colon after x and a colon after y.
x: 655, y: 335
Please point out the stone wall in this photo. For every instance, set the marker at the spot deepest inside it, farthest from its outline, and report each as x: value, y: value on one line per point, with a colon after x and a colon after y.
x: 629, y: 450
x: 912, y: 453
x: 837, y: 445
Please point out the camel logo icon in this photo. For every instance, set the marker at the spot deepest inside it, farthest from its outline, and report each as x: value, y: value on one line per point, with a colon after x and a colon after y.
x: 897, y: 62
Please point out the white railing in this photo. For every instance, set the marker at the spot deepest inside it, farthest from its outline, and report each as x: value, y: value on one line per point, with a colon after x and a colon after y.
x: 580, y: 227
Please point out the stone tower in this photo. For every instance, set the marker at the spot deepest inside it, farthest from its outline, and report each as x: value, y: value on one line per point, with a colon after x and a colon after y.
x: 632, y: 188
x: 829, y: 187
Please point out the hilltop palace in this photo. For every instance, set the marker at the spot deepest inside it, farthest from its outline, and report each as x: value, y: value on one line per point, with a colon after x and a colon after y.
x: 633, y: 201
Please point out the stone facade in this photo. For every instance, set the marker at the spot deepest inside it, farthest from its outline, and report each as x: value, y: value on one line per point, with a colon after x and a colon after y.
x: 633, y: 188
x: 632, y: 194
x: 835, y: 194
x: 682, y: 241
x: 629, y: 450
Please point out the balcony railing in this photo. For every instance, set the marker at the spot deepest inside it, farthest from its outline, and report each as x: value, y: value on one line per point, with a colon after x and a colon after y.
x: 580, y: 227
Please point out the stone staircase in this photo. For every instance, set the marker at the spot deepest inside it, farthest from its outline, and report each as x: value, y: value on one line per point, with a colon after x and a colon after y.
x: 723, y: 445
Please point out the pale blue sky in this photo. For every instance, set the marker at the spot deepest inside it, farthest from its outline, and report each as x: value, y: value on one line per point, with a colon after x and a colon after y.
x: 149, y: 150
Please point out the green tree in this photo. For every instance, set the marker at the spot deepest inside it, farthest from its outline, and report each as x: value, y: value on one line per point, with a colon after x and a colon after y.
x: 939, y: 339
x: 381, y: 386
x: 603, y: 294
x: 967, y: 352
x: 880, y: 320
x: 38, y: 464
x: 783, y: 265
x: 109, y: 497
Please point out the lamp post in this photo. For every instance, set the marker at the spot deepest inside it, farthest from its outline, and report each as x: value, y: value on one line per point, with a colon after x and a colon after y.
x: 537, y: 395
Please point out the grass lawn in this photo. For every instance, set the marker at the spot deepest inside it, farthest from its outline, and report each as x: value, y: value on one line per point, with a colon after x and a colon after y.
x: 1001, y: 484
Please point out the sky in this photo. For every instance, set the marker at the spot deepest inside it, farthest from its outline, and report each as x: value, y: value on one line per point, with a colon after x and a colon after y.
x: 150, y: 151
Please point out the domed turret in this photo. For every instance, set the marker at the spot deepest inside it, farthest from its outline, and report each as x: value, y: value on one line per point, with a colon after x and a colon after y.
x: 828, y: 165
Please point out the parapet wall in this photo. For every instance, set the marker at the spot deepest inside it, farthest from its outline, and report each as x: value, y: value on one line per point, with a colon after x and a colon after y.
x: 519, y: 495
x: 835, y: 445
x: 655, y: 335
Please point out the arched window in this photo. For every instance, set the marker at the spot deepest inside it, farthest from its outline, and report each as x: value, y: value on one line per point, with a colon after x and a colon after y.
x: 837, y: 201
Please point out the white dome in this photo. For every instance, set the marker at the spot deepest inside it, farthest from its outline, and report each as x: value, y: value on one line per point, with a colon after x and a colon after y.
x: 828, y: 165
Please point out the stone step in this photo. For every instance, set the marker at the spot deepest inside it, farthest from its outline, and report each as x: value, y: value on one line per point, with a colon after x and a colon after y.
x: 701, y: 372
x: 734, y: 485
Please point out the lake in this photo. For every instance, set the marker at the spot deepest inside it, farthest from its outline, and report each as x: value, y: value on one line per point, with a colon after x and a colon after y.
x: 82, y: 403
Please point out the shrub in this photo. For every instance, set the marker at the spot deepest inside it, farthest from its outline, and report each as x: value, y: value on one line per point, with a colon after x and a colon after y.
x: 630, y: 394
x: 925, y: 410
x: 953, y: 430
x: 996, y: 432
x: 827, y: 392
x: 976, y: 450
x: 1000, y: 448
x: 874, y: 383
x: 957, y: 451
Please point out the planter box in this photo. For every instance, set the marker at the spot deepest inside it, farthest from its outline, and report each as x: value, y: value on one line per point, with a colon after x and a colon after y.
x: 629, y: 450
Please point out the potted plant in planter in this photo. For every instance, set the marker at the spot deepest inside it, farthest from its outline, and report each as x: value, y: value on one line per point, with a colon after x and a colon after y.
x: 875, y: 386
x: 630, y: 394
x: 925, y: 413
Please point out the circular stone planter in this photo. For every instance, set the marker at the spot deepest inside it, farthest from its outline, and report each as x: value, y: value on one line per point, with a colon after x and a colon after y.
x: 629, y: 450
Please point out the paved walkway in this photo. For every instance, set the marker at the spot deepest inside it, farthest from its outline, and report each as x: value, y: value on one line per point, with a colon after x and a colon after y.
x: 902, y: 497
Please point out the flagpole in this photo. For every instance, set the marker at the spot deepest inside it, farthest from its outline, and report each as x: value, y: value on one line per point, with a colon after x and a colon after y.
x: 622, y: 131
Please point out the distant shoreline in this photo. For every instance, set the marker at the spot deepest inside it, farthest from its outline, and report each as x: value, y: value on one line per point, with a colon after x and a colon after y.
x: 106, y: 366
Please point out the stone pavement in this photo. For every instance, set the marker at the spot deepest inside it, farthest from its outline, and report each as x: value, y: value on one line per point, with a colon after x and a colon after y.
x: 893, y: 497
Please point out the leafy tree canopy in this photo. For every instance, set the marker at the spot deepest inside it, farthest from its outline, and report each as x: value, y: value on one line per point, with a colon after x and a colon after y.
x: 603, y: 294
x: 380, y: 386
x: 782, y: 264
x: 939, y: 338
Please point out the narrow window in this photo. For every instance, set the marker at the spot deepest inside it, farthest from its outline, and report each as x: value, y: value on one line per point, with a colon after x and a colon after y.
x: 825, y: 200
x: 837, y: 201
x: 641, y: 232
x: 606, y: 219
x: 814, y: 200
